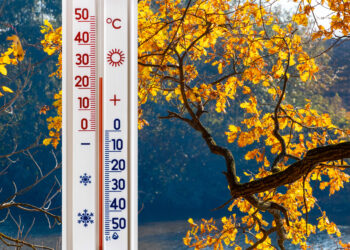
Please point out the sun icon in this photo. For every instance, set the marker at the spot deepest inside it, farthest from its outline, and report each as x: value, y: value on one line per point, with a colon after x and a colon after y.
x: 115, y: 57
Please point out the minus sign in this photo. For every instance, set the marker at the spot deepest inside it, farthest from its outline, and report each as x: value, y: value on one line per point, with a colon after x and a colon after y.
x: 85, y: 143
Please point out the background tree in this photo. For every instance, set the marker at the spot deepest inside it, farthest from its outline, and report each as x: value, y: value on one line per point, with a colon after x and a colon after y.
x: 29, y: 173
x: 292, y: 146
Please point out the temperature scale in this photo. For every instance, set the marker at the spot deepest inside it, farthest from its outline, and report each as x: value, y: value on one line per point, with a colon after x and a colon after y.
x: 99, y: 124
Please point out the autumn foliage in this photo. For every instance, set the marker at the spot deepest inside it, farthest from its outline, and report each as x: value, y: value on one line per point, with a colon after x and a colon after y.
x: 208, y: 56
x: 52, y: 43
x: 12, y: 56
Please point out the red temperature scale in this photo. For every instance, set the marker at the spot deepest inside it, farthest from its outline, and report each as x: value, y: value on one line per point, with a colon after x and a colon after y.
x: 99, y: 124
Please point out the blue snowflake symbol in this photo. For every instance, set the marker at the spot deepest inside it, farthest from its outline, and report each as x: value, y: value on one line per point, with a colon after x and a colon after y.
x: 85, y: 218
x: 85, y: 179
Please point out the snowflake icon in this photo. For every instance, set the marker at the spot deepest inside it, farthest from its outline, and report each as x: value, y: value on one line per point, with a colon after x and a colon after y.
x: 85, y: 179
x: 85, y: 218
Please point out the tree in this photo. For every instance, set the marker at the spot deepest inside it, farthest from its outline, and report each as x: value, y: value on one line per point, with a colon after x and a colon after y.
x: 13, y: 56
x: 28, y: 183
x: 294, y: 147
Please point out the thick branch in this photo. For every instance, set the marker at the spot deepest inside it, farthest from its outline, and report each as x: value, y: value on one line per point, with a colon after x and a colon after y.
x: 157, y: 65
x: 214, y: 148
x: 275, y: 117
x: 295, y: 171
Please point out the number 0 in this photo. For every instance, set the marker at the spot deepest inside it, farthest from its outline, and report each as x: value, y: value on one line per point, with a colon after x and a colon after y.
x: 84, y: 124
x: 116, y: 124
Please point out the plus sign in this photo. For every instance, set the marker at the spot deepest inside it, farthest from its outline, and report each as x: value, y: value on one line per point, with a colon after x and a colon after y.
x: 115, y: 100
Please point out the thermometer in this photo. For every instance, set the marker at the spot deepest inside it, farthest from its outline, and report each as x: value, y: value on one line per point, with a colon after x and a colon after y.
x: 99, y: 124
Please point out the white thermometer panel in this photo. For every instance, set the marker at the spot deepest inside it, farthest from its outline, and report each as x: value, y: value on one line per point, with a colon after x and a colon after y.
x: 115, y: 120
x: 84, y: 124
x: 99, y: 124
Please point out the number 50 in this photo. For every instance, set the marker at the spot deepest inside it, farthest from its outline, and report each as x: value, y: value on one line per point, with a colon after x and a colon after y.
x: 81, y: 14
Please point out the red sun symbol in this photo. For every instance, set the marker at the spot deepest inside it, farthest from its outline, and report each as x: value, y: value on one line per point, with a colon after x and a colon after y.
x: 115, y: 57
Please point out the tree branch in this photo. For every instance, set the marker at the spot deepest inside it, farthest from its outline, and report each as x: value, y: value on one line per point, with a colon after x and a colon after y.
x: 295, y: 171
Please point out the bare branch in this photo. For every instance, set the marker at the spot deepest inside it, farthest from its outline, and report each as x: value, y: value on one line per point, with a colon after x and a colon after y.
x: 19, y: 243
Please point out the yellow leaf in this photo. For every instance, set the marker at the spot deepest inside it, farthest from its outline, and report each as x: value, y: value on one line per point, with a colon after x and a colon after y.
x: 266, y: 83
x: 168, y: 97
x: 246, y: 174
x: 47, y: 23
x: 6, y: 59
x: 232, y: 135
x: 7, y: 89
x: 3, y: 70
x: 227, y: 241
x: 266, y: 162
x: 300, y: 19
x: 316, y: 35
x: 47, y: 141
x: 276, y: 28
x: 187, y: 239
x: 231, y: 207
x: 14, y: 38
x: 272, y: 91
x: 153, y: 91
x: 49, y: 50
x: 251, y: 154
x: 18, y: 51
x: 220, y: 68
x: 55, y: 143
x: 316, y: 176
x: 279, y: 72
x: 224, y: 220
x: 190, y: 220
x: 323, y: 185
x: 234, y: 128
x: 246, y: 90
x: 291, y: 61
x: 304, y: 76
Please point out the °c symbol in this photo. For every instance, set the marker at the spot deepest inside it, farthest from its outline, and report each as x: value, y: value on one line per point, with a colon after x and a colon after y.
x: 115, y: 236
x: 114, y: 22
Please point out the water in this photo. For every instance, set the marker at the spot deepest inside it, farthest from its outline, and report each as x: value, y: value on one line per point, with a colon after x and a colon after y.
x: 39, y: 234
x: 168, y: 236
x: 53, y: 242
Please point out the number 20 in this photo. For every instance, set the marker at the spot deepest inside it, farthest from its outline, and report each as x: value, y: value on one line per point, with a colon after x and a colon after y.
x: 82, y: 81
